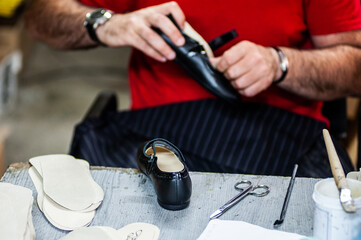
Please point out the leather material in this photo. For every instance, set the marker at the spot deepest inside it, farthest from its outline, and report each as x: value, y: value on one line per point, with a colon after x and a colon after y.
x: 223, y: 39
x: 91, y: 32
x: 173, y: 189
x: 193, y: 59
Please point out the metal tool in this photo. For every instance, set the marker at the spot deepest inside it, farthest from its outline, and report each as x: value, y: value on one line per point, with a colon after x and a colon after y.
x: 338, y: 174
x: 246, y: 187
x: 278, y: 222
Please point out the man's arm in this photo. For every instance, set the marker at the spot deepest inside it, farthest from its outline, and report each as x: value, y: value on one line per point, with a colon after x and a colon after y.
x: 331, y: 71
x: 59, y: 23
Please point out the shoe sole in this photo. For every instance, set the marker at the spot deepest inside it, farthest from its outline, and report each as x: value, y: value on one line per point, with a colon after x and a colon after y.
x: 174, y: 207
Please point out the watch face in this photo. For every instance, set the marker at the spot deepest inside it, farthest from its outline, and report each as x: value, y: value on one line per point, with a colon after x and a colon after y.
x: 97, y: 17
x: 94, y: 19
x: 97, y: 14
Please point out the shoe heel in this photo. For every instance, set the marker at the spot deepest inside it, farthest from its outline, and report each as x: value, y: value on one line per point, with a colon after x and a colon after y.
x: 173, y: 207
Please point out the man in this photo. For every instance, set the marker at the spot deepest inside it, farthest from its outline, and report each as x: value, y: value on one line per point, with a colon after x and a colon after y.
x: 280, y: 121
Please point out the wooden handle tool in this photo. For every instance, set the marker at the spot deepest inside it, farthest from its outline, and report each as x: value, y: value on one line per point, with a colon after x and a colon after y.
x: 338, y: 174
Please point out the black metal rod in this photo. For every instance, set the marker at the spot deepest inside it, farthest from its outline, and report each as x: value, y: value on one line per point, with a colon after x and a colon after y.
x: 287, y: 198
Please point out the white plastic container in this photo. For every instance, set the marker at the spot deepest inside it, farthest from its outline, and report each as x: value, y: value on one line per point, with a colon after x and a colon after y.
x: 330, y: 221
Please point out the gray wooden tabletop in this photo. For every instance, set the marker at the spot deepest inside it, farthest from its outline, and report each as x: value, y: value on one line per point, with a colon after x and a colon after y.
x: 129, y: 197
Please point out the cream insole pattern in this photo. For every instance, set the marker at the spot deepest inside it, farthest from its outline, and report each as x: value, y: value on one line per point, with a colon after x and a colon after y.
x: 59, y: 216
x: 167, y: 161
x: 138, y: 231
x: 92, y: 233
x: 68, y: 181
x: 67, y: 193
x: 15, y: 212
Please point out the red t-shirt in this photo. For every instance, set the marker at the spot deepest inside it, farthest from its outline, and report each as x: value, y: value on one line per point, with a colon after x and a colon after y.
x: 268, y: 23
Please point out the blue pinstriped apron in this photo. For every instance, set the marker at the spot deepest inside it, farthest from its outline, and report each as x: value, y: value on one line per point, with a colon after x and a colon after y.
x: 214, y: 137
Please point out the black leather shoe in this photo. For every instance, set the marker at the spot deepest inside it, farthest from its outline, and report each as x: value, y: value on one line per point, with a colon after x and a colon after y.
x: 164, y: 164
x: 193, y: 59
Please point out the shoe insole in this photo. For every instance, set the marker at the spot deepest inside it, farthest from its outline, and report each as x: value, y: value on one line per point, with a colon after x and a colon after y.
x: 93, y: 233
x: 63, y: 218
x: 167, y: 161
x: 196, y: 36
x: 57, y: 215
x: 68, y: 182
x: 38, y: 183
x: 15, y: 212
x: 36, y: 161
x: 138, y: 231
x: 30, y: 230
x: 9, y: 225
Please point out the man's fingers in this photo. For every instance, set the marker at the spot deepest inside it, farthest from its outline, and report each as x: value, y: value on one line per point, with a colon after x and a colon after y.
x: 135, y: 29
x: 238, y: 69
x: 244, y: 81
x: 174, y: 9
x: 229, y: 58
x: 167, y: 27
x: 142, y: 45
x: 251, y: 83
x: 214, y: 61
x: 156, y: 42
x: 253, y: 89
x: 234, y: 54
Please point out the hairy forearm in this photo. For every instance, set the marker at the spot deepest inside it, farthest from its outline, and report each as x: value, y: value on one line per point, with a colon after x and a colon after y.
x: 324, y: 74
x: 59, y: 23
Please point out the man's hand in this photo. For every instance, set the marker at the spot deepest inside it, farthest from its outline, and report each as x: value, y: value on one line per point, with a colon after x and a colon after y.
x: 249, y: 67
x: 134, y: 29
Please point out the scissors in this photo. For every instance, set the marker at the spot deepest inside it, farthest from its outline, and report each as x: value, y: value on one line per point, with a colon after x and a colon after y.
x: 246, y: 187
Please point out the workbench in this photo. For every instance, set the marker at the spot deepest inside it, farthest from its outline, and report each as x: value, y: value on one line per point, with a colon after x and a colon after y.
x: 130, y: 197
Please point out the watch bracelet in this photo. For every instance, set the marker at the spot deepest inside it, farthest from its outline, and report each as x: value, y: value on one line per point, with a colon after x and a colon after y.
x: 90, y: 26
x: 282, y: 58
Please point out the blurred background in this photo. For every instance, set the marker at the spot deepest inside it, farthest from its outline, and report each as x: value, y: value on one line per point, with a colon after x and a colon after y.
x: 44, y: 93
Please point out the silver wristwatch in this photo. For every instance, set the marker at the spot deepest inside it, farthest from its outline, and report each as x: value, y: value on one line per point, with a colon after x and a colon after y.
x: 94, y: 19
x: 283, y: 65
